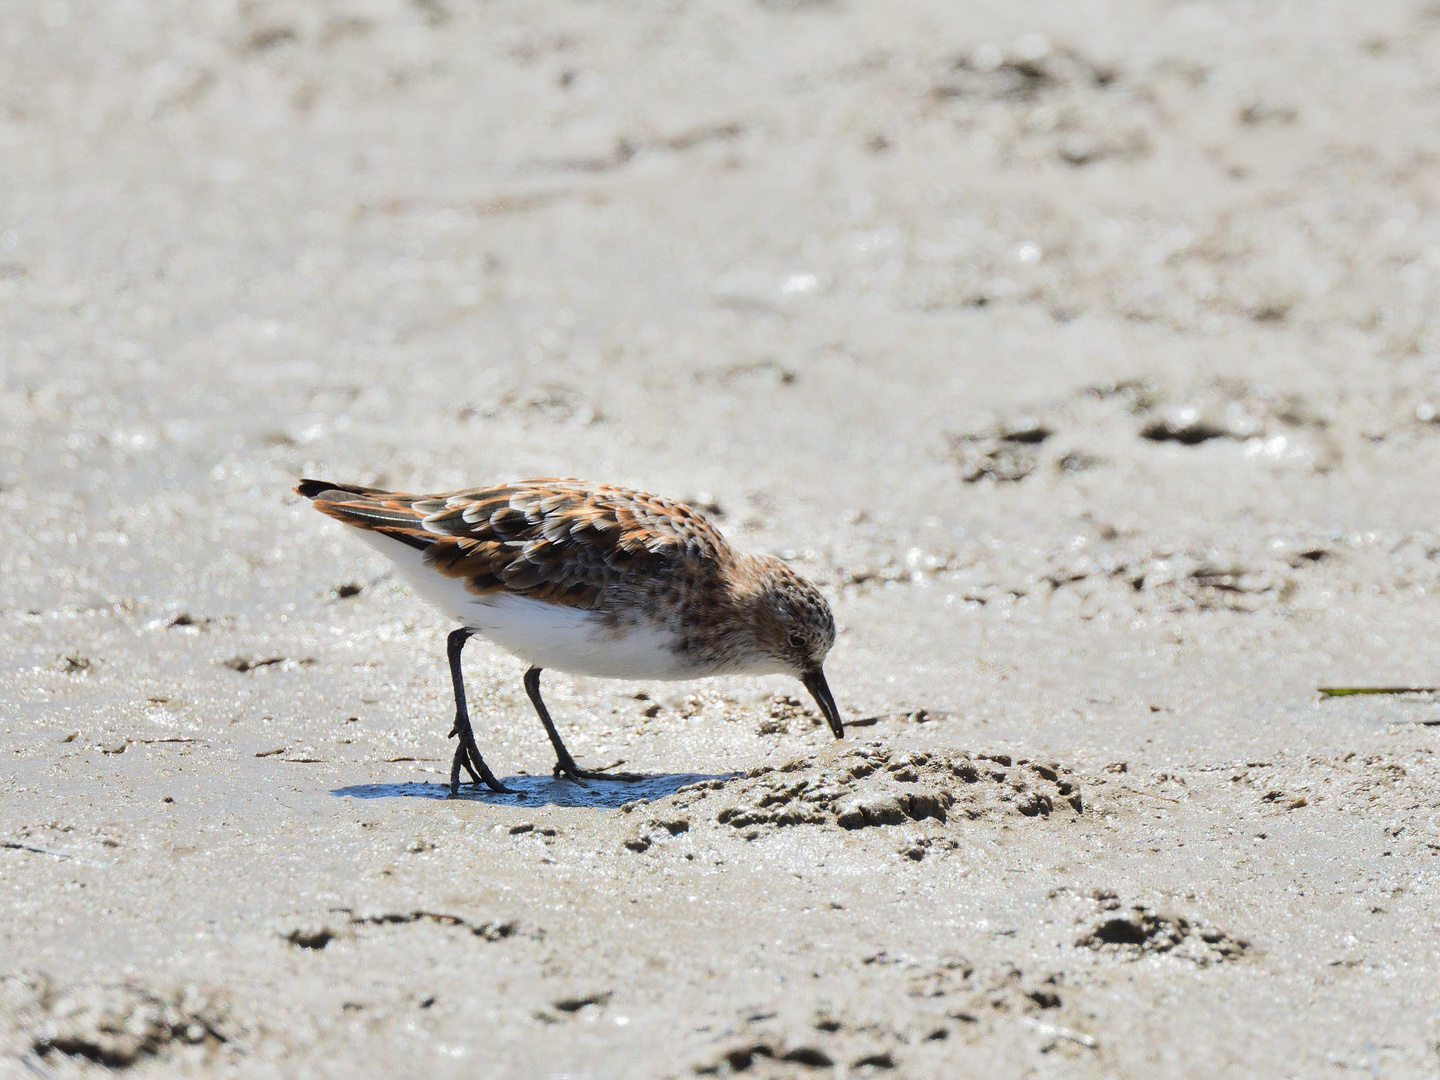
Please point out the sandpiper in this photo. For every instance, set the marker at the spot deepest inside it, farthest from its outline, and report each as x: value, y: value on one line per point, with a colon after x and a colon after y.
x: 590, y: 579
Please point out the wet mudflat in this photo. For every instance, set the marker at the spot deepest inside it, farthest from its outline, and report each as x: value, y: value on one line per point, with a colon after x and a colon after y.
x: 1087, y: 357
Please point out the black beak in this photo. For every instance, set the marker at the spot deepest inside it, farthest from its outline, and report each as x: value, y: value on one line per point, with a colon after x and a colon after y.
x: 820, y: 690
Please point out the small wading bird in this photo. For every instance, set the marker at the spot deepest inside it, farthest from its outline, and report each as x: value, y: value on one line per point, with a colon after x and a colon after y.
x: 591, y: 580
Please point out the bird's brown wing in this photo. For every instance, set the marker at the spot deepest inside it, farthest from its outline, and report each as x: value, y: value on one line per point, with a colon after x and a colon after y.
x: 562, y: 541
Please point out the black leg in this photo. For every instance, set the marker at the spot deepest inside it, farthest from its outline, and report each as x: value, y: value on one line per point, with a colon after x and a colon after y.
x: 467, y: 753
x: 565, y: 764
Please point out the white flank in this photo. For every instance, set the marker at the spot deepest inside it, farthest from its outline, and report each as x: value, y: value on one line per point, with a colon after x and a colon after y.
x: 545, y: 635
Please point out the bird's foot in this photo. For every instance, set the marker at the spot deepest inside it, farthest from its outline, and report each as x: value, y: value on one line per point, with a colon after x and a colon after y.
x: 570, y: 771
x: 468, y: 757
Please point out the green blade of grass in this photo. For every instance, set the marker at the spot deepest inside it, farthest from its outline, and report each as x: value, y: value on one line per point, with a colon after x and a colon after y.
x: 1349, y: 691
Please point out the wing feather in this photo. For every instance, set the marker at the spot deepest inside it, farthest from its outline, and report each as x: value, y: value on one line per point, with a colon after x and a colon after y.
x: 563, y: 541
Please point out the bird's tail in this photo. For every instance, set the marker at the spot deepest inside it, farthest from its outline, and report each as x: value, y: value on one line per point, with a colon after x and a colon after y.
x: 375, y: 509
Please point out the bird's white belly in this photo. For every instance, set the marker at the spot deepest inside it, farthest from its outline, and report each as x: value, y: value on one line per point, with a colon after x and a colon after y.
x: 575, y: 641
x: 545, y: 635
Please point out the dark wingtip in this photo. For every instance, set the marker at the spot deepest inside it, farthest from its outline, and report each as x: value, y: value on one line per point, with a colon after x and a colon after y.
x: 312, y: 488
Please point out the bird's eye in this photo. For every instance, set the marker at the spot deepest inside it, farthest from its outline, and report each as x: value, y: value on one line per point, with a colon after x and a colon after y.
x: 796, y: 639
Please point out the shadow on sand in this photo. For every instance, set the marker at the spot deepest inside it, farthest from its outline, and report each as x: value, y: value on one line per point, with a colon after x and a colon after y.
x: 542, y: 790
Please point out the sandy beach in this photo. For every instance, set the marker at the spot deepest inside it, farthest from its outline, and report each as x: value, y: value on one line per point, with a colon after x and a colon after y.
x: 1086, y: 355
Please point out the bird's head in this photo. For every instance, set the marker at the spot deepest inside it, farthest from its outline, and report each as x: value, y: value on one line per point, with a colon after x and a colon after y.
x: 793, y: 627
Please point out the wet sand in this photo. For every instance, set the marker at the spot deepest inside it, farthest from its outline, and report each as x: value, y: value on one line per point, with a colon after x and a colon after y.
x: 1087, y: 355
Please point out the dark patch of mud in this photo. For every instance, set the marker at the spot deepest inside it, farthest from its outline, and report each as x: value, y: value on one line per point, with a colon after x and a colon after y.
x: 115, y: 1025
x: 345, y: 923
x: 873, y: 785
x: 1138, y: 931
